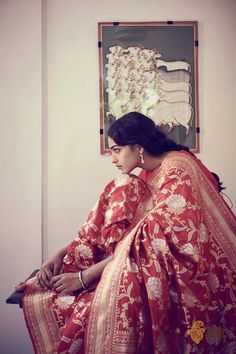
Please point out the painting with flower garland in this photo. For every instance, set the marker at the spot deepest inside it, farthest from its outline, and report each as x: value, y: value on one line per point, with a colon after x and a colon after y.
x: 151, y: 68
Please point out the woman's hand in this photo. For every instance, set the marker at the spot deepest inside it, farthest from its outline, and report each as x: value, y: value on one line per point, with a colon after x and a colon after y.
x: 49, y: 269
x: 65, y: 283
x: 69, y: 282
x: 46, y: 272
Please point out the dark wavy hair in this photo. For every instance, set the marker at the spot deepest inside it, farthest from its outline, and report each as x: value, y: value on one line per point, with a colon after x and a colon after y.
x: 219, y: 183
x: 135, y: 128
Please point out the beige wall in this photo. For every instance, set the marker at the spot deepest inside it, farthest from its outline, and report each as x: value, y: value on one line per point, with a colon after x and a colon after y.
x: 20, y: 159
x: 73, y: 171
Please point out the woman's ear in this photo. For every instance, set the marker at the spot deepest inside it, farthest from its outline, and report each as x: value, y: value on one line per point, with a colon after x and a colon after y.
x: 140, y: 149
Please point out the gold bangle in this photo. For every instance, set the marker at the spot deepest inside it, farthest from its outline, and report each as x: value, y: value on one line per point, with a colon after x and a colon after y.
x: 84, y: 286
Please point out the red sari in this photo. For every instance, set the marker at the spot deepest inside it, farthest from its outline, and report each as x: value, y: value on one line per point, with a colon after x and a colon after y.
x: 171, y: 287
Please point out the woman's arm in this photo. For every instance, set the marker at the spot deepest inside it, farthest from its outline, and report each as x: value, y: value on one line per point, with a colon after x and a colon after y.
x: 68, y: 282
x: 95, y: 271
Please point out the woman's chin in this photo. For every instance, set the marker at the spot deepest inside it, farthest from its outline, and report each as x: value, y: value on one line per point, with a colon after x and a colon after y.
x: 125, y: 172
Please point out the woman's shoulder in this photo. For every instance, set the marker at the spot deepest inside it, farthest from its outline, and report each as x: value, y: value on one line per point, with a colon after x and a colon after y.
x: 181, y: 163
x: 180, y: 159
x: 124, y: 180
x: 184, y: 161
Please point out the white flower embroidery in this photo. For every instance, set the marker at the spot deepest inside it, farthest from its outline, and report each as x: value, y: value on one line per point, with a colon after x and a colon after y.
x: 189, y: 250
x: 213, y: 282
x: 155, y: 287
x: 189, y: 298
x: 64, y: 301
x: 159, y: 245
x: 110, y: 212
x: 75, y: 346
x: 121, y: 180
x: 134, y: 267
x: 84, y: 251
x: 175, y: 203
x: 203, y: 233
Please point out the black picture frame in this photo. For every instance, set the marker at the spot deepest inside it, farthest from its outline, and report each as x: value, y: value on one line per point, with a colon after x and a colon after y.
x: 165, y: 54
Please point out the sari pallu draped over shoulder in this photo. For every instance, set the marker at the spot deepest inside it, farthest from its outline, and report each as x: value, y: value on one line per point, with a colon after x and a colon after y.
x: 171, y: 288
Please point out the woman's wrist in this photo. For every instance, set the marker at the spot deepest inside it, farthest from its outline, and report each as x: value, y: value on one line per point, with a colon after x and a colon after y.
x: 61, y: 254
x: 84, y: 285
x: 94, y: 272
x: 86, y: 277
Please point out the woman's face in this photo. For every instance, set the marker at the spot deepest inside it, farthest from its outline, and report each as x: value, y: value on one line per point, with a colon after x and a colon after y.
x: 125, y: 157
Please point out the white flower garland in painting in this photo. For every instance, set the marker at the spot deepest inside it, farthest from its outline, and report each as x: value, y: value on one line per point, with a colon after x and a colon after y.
x: 137, y: 82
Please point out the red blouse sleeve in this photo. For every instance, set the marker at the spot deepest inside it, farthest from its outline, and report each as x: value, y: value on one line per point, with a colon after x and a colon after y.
x: 106, y: 222
x: 124, y: 198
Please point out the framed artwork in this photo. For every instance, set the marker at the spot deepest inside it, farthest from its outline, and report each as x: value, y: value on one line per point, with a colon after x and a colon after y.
x: 152, y: 68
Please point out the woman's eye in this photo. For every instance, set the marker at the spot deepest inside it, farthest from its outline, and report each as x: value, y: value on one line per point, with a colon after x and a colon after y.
x: 116, y: 151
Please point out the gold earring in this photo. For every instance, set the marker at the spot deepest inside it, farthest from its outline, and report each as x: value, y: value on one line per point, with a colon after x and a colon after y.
x: 141, y: 158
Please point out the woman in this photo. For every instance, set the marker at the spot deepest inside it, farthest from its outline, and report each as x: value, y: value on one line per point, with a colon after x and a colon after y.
x: 170, y: 286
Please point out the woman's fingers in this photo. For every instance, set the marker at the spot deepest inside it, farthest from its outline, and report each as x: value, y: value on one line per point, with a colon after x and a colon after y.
x: 55, y: 279
x: 56, y: 282
x: 66, y: 282
x: 56, y: 269
x: 58, y: 286
x: 44, y: 276
x: 47, y: 271
x: 41, y: 282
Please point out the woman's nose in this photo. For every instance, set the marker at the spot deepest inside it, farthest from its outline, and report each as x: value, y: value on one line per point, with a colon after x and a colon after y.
x: 113, y: 159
